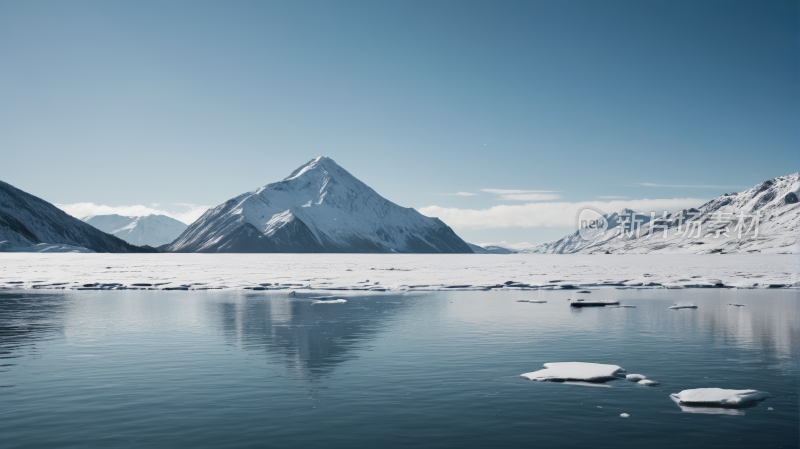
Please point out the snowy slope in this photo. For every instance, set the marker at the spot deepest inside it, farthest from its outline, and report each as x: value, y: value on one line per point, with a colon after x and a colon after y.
x: 775, y: 200
x: 26, y: 220
x: 490, y: 249
x: 320, y: 207
x: 152, y: 230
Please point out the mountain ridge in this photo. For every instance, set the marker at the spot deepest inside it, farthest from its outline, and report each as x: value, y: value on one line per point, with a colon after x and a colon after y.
x: 319, y: 207
x: 27, y: 220
x: 776, y: 200
x: 152, y: 230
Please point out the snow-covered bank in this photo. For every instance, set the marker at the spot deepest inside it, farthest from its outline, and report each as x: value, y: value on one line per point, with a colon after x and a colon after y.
x: 397, y: 271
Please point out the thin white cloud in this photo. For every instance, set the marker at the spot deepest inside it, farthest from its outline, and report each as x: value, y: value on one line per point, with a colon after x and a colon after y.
x: 650, y: 184
x: 506, y: 192
x: 80, y: 210
x: 457, y: 194
x: 192, y: 215
x: 534, y: 215
x: 524, y: 195
x: 612, y: 197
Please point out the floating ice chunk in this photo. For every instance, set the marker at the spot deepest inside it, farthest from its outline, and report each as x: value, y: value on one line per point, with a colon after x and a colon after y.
x: 576, y: 371
x: 719, y: 397
x: 708, y: 410
x: 331, y: 301
x: 683, y: 305
x: 624, y: 415
x: 648, y: 383
x: 587, y: 384
x: 601, y: 303
x: 635, y: 377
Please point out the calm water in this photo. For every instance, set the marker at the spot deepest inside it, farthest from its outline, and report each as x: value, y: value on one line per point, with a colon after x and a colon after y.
x: 261, y: 369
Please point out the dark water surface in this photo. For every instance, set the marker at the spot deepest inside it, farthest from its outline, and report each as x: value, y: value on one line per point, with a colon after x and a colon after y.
x: 263, y: 369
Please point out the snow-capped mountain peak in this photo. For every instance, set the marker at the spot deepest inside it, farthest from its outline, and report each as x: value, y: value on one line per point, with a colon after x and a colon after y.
x: 771, y: 207
x: 152, y: 230
x: 320, y: 207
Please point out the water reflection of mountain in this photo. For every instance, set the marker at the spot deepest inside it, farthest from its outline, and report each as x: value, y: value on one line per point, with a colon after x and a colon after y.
x: 769, y: 321
x: 309, y: 339
x: 25, y: 320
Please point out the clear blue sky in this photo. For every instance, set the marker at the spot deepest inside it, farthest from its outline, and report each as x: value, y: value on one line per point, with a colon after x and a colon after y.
x: 141, y: 102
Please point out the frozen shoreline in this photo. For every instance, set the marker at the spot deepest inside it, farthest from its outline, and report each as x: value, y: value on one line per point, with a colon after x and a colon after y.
x: 381, y: 272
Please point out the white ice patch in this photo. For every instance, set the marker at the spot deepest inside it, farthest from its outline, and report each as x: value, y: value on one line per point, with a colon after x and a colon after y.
x: 719, y: 397
x: 576, y: 371
x: 635, y: 377
x: 683, y: 305
x: 624, y: 415
x: 407, y: 272
x: 648, y: 383
x: 332, y: 301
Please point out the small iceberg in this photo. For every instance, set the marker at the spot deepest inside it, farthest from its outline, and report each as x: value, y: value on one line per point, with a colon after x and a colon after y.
x: 719, y: 397
x: 576, y: 371
x: 603, y: 303
x: 624, y: 415
x: 683, y: 305
x: 648, y: 383
x: 635, y: 377
x: 330, y: 301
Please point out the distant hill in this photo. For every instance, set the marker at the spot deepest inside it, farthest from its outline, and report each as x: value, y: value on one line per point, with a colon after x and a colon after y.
x: 319, y: 208
x: 775, y: 200
x: 490, y: 249
x: 26, y: 220
x: 152, y: 230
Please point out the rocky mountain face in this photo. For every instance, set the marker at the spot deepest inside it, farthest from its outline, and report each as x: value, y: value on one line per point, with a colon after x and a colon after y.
x: 151, y: 230
x: 26, y: 220
x: 319, y: 208
x: 765, y: 218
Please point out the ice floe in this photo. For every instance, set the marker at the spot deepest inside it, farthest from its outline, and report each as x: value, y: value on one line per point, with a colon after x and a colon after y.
x: 576, y: 371
x: 602, y: 303
x: 406, y: 272
x: 719, y: 397
x: 683, y: 305
x: 635, y: 377
x: 624, y: 415
x: 330, y: 301
x: 648, y: 383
